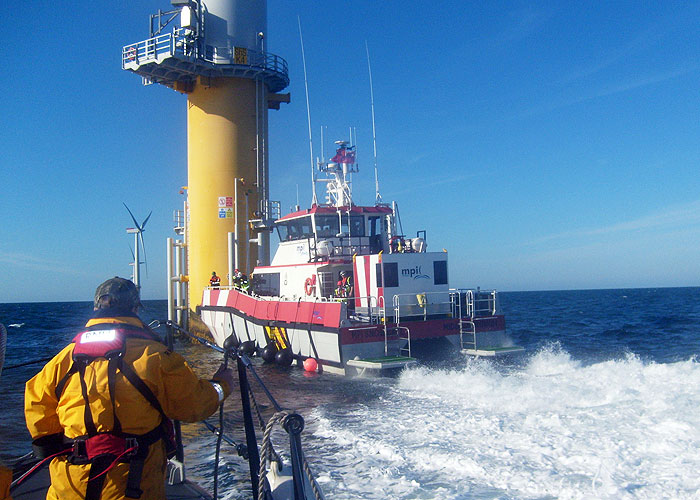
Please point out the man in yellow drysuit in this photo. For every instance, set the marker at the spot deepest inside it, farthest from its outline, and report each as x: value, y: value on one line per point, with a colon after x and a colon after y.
x: 117, y: 408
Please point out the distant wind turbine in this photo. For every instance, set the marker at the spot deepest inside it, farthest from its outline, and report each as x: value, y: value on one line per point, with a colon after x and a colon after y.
x: 138, y: 237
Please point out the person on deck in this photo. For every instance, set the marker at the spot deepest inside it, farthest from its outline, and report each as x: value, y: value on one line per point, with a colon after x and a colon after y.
x: 214, y: 281
x: 106, y: 399
x: 343, y: 288
x: 240, y: 280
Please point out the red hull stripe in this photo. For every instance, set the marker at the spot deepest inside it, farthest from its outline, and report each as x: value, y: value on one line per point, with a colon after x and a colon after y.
x: 312, y: 313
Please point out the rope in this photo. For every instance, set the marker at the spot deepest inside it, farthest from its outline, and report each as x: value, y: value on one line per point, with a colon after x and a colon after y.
x: 266, y: 451
x: 261, y: 421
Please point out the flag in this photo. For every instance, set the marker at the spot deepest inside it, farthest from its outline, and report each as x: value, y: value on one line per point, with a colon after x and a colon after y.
x: 344, y: 155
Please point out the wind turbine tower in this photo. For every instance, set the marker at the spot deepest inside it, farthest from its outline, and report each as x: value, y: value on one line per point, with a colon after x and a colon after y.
x: 214, y: 51
x: 138, y: 240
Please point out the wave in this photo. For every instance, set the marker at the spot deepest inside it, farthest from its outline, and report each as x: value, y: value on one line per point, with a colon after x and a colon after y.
x: 550, y: 427
x: 15, y: 325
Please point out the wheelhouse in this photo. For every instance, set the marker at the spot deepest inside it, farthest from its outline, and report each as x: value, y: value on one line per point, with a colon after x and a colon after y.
x: 326, y: 232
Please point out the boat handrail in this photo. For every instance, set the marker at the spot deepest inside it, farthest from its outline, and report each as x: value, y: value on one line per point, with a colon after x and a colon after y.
x: 477, y: 303
x: 291, y: 422
x: 372, y: 308
x: 339, y: 247
x: 421, y: 304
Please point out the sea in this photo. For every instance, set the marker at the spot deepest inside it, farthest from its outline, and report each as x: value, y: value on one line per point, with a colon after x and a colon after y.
x: 603, y: 404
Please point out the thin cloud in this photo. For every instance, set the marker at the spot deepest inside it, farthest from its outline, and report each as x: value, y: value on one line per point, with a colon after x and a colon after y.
x: 608, y: 90
x: 24, y: 261
x: 643, y: 40
x: 522, y: 23
x: 642, y: 81
x: 672, y: 217
x: 442, y: 181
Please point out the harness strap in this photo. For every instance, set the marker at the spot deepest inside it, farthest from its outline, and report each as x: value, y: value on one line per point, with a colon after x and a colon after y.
x: 96, y: 481
x: 136, y: 464
x: 133, y: 479
x: 141, y: 386
x: 114, y: 362
x: 62, y: 383
x: 89, y: 422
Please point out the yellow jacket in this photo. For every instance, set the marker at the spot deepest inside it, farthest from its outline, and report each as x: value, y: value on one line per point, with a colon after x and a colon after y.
x: 182, y: 395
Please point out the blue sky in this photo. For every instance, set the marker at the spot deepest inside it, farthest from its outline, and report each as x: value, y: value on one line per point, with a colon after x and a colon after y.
x: 546, y: 145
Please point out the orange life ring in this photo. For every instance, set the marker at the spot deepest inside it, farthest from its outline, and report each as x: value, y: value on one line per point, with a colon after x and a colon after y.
x: 310, y: 285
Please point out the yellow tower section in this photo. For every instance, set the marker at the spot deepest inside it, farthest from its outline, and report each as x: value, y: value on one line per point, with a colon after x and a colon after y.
x: 222, y: 139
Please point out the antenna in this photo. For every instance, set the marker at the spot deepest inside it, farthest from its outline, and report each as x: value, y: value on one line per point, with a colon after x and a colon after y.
x: 138, y: 236
x: 374, y: 131
x: 314, y: 200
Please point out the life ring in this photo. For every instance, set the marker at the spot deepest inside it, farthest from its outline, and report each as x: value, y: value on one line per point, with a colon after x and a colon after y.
x: 131, y: 54
x: 310, y: 285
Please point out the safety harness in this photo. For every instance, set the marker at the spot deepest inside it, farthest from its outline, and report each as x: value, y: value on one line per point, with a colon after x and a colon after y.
x: 102, y: 450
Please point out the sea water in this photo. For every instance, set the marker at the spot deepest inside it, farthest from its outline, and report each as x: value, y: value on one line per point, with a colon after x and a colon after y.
x: 603, y: 404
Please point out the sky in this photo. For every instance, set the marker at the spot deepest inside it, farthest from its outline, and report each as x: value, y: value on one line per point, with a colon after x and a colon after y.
x: 545, y: 145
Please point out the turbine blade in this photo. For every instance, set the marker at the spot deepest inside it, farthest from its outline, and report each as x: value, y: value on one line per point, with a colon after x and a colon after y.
x: 143, y: 224
x: 132, y: 217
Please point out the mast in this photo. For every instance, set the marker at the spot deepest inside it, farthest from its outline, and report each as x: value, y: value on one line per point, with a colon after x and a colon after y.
x: 378, y: 197
x: 314, y: 199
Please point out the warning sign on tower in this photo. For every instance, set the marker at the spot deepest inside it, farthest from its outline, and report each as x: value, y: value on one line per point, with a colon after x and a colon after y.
x: 225, y: 201
x: 225, y: 213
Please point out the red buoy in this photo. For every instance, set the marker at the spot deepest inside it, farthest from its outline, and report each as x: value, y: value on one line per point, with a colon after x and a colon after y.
x: 310, y: 365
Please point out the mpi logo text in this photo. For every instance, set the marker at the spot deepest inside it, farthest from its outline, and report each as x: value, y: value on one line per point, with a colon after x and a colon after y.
x: 414, y: 272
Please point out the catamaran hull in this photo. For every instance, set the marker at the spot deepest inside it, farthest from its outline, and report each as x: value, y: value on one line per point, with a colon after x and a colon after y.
x: 313, y: 329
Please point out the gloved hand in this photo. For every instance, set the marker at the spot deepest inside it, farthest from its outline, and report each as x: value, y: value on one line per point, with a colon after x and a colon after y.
x: 224, y: 375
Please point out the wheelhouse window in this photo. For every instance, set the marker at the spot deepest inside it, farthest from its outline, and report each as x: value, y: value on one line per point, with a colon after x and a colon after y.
x: 354, y: 225
x: 327, y: 226
x: 295, y: 229
x: 266, y: 284
x: 374, y: 228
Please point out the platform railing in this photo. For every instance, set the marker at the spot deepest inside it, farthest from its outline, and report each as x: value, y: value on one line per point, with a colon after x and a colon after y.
x: 182, y: 43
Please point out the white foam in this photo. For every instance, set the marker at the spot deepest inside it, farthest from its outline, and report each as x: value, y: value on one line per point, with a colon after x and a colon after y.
x: 555, y: 428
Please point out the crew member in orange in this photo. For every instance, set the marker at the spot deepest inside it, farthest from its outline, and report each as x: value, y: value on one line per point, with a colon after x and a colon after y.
x: 104, y: 402
x: 214, y: 281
